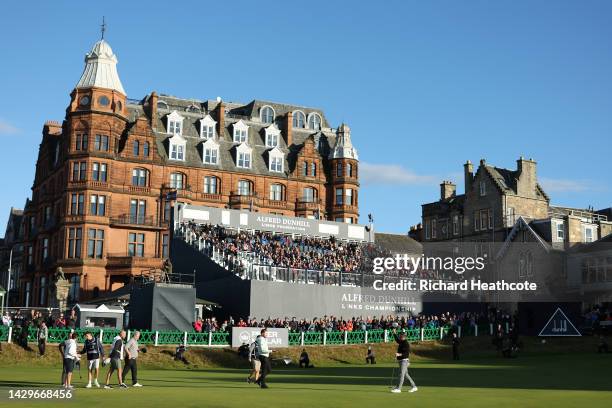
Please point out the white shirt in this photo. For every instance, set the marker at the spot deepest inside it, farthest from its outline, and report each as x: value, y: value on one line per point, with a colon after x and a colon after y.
x: 70, y: 349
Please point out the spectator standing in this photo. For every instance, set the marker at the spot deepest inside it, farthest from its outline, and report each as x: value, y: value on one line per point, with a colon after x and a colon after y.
x: 131, y: 350
x: 41, y: 336
x: 455, y: 346
x: 70, y: 357
x: 370, y: 357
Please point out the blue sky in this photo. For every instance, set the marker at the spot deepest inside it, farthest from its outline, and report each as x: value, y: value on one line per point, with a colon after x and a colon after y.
x: 423, y: 85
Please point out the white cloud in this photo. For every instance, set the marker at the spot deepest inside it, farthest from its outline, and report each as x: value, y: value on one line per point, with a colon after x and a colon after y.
x: 393, y: 174
x: 551, y: 185
x: 7, y: 129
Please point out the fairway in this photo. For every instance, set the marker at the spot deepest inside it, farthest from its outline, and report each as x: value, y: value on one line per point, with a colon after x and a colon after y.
x: 569, y: 380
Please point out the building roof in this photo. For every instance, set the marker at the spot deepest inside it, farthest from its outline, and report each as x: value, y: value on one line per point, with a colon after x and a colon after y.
x: 398, y: 244
x: 101, y: 69
x: 506, y: 180
x: 193, y: 111
x: 343, y: 149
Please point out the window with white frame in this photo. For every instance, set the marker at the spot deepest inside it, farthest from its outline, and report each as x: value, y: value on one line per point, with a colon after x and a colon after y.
x: 175, y: 123
x: 272, y: 136
x: 244, y: 160
x: 207, y: 127
x: 177, y: 149
x: 240, y: 132
x: 210, y: 185
x: 276, y: 164
x: 276, y: 192
x: 349, y: 196
x: 244, y: 187
x: 177, y: 180
x: 299, y: 120
x: 309, y: 195
x: 267, y: 114
x: 210, y: 153
x: 589, y: 234
x: 560, y: 231
x: 314, y: 121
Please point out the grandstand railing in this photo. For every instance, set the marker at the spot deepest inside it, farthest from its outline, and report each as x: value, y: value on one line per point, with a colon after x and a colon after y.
x: 223, y: 339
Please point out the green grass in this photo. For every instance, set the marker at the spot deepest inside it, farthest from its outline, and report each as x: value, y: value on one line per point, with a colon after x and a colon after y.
x: 554, y: 380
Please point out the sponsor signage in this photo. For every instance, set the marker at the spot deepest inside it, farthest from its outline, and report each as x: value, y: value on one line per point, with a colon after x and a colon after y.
x: 559, y: 325
x: 274, y: 223
x: 277, y: 338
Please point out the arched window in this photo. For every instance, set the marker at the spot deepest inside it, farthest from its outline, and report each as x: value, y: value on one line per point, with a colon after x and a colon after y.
x: 267, y: 114
x: 313, y: 169
x: 139, y: 177
x: 339, y: 169
x: 305, y: 169
x: 349, y: 170
x: 145, y: 149
x: 178, y: 180
x: 162, y: 105
x: 245, y: 187
x: 136, y: 148
x: 314, y: 121
x: 299, y: 120
x: 309, y: 195
x: 277, y: 192
x: 211, y: 185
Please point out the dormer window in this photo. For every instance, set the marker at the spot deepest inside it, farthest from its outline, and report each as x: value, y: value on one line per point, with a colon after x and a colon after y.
x: 272, y: 136
x: 483, y: 189
x: 314, y: 121
x: 240, y: 132
x: 243, y: 156
x: 175, y: 124
x: 299, y: 120
x: 177, y: 151
x: 207, y: 127
x: 210, y: 154
x: 267, y: 114
x: 277, y: 159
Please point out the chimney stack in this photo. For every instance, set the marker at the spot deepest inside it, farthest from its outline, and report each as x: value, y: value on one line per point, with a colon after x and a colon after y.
x: 153, y: 109
x: 526, y: 177
x: 447, y: 190
x: 220, y: 119
x: 468, y: 175
x: 289, y: 128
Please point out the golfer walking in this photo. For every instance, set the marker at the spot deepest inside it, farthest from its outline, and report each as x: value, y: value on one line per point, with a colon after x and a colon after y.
x: 70, y: 357
x: 131, y: 350
x: 402, y: 355
x: 264, y: 357
x: 116, y: 355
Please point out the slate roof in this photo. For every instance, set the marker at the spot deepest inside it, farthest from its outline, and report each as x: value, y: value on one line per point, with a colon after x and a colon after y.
x: 193, y: 110
x: 506, y: 180
x: 398, y: 244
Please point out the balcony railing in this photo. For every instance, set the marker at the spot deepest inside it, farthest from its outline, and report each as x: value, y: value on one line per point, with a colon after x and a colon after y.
x: 136, y: 220
x: 129, y: 261
x: 243, y: 199
x: 275, y: 203
x: 307, y: 204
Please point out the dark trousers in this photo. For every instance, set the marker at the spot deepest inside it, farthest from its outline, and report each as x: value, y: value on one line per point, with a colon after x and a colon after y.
x: 305, y: 363
x: 264, y: 370
x: 455, y: 353
x: 130, y: 364
x: 42, y: 344
x: 371, y: 360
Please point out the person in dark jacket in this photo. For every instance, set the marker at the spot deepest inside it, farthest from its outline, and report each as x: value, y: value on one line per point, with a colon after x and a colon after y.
x: 455, y: 346
x: 402, y: 355
x: 95, y: 352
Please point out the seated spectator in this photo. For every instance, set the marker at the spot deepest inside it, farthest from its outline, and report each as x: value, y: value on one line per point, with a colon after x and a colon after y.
x: 305, y: 360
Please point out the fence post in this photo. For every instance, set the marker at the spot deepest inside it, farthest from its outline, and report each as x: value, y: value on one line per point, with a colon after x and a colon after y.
x: 441, y: 332
x: 507, y: 328
x: 209, y: 338
x: 491, y: 329
x: 386, y: 336
x: 128, y: 335
x: 346, y: 337
x: 422, y: 334
x: 156, y: 337
x: 101, y: 336
x: 325, y: 337
x: 301, y: 338
x: 10, y: 334
x: 366, y: 337
x: 185, y: 339
x: 476, y: 331
x: 458, y: 331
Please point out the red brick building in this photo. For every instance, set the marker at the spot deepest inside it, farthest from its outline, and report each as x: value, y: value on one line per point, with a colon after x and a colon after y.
x: 99, y: 207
